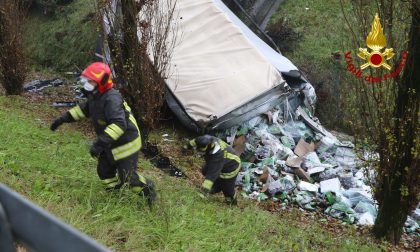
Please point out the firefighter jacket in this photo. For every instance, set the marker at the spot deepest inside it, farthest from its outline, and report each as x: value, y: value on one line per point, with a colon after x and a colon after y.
x: 112, y: 120
x: 221, y: 161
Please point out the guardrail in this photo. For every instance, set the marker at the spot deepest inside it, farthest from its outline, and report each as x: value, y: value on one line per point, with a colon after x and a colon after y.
x: 36, y: 229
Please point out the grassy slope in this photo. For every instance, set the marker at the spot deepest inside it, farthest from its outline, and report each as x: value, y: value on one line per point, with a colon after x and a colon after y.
x: 64, y: 41
x: 55, y: 171
x: 322, y: 27
x: 323, y: 31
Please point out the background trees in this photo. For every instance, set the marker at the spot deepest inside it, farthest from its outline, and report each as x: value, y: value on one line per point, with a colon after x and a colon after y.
x: 13, y: 68
x: 386, y: 113
x: 137, y: 36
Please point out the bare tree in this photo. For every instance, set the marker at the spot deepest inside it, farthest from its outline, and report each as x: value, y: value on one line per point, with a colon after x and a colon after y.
x: 141, y: 37
x: 12, y: 60
x: 385, y: 105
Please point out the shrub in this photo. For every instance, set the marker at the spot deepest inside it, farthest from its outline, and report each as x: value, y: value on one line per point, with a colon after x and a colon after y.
x: 142, y: 82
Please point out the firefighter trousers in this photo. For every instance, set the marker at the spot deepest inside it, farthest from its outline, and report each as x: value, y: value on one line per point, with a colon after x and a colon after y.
x: 114, y: 174
x: 227, y: 186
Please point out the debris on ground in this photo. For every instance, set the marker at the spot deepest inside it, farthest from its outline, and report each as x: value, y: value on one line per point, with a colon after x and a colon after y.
x: 151, y: 152
x: 39, y: 85
x: 288, y: 156
x: 59, y: 104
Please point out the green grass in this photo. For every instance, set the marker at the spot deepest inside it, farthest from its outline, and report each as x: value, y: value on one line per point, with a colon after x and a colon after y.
x: 61, y: 42
x: 323, y: 31
x: 54, y: 170
x: 322, y: 28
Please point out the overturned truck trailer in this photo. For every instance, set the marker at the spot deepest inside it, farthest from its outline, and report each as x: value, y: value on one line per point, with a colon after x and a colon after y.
x: 221, y: 73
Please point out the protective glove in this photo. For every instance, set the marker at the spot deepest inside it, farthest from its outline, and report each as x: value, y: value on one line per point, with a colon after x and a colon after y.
x: 187, y: 149
x: 57, y: 122
x: 96, y: 149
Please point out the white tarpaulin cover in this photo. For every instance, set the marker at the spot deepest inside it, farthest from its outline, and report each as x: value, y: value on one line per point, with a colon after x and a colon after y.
x: 215, y: 67
x: 280, y: 62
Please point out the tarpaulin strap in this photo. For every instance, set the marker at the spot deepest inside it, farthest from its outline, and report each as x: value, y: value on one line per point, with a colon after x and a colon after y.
x: 231, y: 174
x: 114, y: 131
x: 111, y: 182
x: 127, y: 149
x: 77, y: 113
x: 207, y: 184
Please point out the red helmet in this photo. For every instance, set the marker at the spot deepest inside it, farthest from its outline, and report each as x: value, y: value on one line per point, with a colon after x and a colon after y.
x: 101, y: 74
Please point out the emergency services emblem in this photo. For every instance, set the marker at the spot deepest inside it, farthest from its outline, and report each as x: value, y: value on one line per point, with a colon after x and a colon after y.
x: 376, y: 41
x: 376, y: 56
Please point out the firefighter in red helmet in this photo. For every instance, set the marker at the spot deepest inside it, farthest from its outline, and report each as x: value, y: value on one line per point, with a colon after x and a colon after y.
x: 118, y: 136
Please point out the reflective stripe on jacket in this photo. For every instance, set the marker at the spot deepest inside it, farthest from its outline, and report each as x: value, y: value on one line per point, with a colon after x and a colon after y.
x: 224, y: 164
x: 113, y: 122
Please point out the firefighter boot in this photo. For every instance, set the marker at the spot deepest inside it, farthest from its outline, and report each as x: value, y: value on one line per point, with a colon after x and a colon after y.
x: 232, y: 201
x: 149, y: 192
